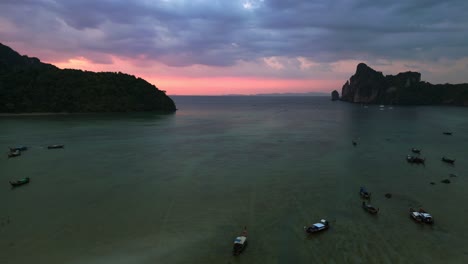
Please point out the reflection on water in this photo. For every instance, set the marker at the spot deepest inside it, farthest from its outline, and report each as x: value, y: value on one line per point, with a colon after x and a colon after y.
x: 148, y: 188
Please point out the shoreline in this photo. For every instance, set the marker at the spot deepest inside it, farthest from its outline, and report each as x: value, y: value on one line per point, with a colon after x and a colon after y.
x: 32, y: 114
x: 77, y: 113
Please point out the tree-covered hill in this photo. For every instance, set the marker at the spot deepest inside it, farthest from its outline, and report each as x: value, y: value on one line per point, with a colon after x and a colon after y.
x: 369, y: 86
x: 28, y: 85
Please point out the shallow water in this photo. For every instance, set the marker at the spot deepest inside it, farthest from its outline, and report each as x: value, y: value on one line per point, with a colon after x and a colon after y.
x: 148, y: 188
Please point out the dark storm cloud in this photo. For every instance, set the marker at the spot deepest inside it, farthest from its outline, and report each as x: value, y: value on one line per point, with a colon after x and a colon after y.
x: 219, y: 33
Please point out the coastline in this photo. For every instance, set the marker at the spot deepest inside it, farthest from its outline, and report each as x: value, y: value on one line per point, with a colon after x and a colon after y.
x: 33, y: 114
x: 77, y: 113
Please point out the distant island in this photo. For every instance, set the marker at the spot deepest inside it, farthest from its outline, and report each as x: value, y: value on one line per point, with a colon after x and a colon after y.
x: 372, y: 87
x: 29, y: 86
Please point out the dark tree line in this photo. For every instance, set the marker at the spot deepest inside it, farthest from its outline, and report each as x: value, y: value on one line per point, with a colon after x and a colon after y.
x: 27, y: 85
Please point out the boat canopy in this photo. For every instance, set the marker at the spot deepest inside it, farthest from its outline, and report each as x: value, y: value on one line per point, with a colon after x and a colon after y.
x: 426, y: 215
x: 240, y: 240
x: 319, y: 225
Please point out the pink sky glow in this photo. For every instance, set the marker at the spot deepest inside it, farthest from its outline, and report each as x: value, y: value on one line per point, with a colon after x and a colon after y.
x: 209, y: 80
x: 265, y: 75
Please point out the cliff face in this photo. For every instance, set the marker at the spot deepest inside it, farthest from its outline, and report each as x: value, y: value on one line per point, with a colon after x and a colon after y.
x: 366, y: 85
x: 335, y: 95
x: 28, y: 85
x: 372, y: 87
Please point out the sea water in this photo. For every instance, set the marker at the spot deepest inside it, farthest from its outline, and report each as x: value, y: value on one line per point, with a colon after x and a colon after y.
x: 178, y: 188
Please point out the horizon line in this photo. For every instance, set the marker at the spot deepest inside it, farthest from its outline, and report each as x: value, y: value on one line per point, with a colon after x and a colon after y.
x: 261, y: 94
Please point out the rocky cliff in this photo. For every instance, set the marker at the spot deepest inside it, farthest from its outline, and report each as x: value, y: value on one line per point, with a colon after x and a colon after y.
x: 372, y: 87
x: 335, y: 95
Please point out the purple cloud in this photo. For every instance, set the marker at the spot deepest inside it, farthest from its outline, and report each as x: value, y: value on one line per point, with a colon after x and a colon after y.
x: 220, y: 33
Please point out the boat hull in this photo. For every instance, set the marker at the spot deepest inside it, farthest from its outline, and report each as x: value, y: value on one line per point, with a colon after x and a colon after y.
x: 19, y: 182
x: 313, y: 231
x: 364, y: 193
x: 238, y: 248
x: 370, y: 209
x: 317, y: 227
x: 447, y: 160
x: 14, y: 154
x: 55, y: 147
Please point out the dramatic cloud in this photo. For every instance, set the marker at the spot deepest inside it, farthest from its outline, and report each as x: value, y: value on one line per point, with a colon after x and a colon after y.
x: 286, y: 39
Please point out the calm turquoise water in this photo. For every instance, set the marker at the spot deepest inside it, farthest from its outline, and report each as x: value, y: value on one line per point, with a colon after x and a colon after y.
x: 146, y: 188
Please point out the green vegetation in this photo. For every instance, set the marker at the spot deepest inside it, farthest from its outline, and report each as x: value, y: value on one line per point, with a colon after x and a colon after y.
x: 424, y: 93
x: 27, y: 85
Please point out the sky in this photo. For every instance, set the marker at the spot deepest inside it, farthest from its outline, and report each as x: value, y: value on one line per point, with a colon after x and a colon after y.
x: 216, y: 47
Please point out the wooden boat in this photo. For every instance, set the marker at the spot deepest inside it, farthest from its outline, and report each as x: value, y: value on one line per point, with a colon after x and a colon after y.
x: 415, y: 215
x: 317, y: 227
x: 448, y: 160
x: 369, y: 208
x: 20, y: 148
x: 447, y: 133
x: 421, y: 216
x: 240, y: 243
x: 14, y: 153
x: 55, y: 146
x: 426, y: 217
x: 414, y: 159
x: 364, y: 193
x: 415, y: 150
x: 19, y: 182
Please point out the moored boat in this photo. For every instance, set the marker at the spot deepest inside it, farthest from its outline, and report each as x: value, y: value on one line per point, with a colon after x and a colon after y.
x: 447, y: 133
x: 14, y: 153
x: 240, y: 243
x: 414, y: 159
x: 19, y: 182
x: 448, y: 160
x: 426, y: 217
x: 55, y: 146
x: 317, y: 227
x: 364, y: 193
x: 369, y: 208
x: 20, y: 148
x: 421, y: 216
x: 415, y: 150
x: 415, y: 215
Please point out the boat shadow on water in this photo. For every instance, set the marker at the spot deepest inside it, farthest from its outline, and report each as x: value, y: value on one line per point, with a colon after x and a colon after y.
x: 317, y: 235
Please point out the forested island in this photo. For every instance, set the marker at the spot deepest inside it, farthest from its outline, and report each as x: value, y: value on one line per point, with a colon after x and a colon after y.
x: 372, y: 87
x: 29, y: 86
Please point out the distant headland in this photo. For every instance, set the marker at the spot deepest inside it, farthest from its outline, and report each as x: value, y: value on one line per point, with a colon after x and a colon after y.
x: 29, y: 86
x: 372, y: 87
